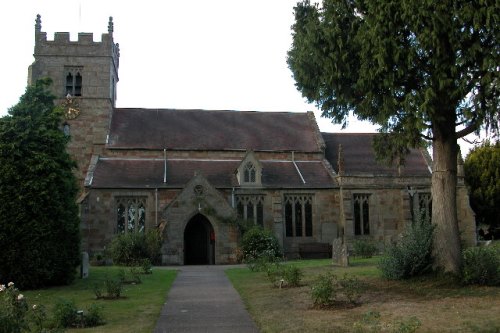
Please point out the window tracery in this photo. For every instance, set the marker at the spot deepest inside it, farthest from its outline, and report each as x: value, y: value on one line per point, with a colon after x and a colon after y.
x: 131, y: 214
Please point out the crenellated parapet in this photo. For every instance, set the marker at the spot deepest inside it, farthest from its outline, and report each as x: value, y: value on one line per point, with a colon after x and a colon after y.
x: 61, y: 45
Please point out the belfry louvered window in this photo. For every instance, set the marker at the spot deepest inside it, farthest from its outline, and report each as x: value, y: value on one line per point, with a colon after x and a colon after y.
x: 361, y: 214
x: 298, y: 215
x: 131, y: 214
x: 73, y: 82
x: 251, y: 208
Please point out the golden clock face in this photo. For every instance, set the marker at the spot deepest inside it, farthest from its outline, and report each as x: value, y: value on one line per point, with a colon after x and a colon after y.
x: 71, y: 108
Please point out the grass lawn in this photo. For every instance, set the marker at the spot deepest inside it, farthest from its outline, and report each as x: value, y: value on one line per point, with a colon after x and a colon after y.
x: 437, y: 304
x: 137, y: 311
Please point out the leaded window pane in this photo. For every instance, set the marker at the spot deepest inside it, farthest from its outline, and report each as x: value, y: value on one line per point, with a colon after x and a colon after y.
x: 288, y: 219
x: 308, y: 218
x: 260, y: 214
x: 121, y: 219
x: 142, y: 218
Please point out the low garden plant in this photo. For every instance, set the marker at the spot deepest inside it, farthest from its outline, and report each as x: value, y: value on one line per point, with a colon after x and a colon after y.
x: 260, y: 247
x: 328, y: 290
x: 481, y: 265
x: 283, y: 276
x: 412, y: 255
x: 364, y: 248
x: 17, y: 316
x: 131, y: 249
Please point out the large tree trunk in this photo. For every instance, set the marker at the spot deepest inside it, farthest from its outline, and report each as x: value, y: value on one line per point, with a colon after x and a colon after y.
x: 447, y: 251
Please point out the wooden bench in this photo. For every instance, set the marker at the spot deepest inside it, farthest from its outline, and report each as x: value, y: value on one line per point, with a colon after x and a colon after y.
x: 315, y: 250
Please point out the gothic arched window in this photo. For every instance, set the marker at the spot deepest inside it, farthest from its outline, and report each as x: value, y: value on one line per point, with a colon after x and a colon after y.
x: 249, y: 173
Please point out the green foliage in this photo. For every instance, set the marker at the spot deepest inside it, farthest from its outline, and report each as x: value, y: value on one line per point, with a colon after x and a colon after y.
x: 94, y: 316
x: 133, y: 248
x: 284, y: 275
x: 323, y: 291
x: 425, y: 71
x: 364, y: 248
x: 411, y: 256
x: 39, y: 224
x: 329, y: 290
x: 13, y: 310
x: 385, y: 61
x: 481, y: 265
x: 113, y: 286
x: 482, y: 175
x: 67, y: 315
x: 260, y: 243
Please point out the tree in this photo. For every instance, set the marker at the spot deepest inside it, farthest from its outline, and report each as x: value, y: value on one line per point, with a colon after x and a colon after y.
x: 39, y: 223
x: 425, y: 71
x: 482, y: 175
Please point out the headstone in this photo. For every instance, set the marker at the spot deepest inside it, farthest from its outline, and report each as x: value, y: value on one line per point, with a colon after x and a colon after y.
x: 84, y: 267
x: 340, y: 255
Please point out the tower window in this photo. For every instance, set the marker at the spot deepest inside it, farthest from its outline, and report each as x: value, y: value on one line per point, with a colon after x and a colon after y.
x: 73, y: 82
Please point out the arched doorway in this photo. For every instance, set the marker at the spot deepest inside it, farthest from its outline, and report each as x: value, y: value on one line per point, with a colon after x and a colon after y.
x: 199, y: 242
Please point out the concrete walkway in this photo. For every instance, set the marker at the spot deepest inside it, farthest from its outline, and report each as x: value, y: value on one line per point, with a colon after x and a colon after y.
x: 203, y: 300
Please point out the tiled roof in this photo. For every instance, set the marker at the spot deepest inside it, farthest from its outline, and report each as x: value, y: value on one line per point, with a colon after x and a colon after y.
x: 359, y: 156
x: 148, y: 173
x: 212, y: 130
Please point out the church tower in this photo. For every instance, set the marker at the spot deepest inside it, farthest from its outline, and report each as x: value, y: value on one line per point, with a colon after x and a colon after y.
x: 84, y: 75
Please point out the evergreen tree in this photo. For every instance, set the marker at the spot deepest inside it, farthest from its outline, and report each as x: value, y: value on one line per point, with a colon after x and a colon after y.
x: 482, y: 175
x: 426, y: 71
x: 39, y: 223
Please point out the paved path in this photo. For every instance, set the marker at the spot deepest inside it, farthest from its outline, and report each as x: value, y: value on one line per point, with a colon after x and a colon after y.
x: 203, y: 300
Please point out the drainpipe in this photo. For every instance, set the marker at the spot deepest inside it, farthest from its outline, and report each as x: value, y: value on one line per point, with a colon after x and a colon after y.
x: 165, y: 165
x: 232, y: 198
x: 156, y: 206
x: 297, y: 168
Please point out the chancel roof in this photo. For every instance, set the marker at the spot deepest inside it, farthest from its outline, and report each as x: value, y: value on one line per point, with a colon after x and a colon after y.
x: 213, y: 130
x: 359, y: 156
x: 149, y: 173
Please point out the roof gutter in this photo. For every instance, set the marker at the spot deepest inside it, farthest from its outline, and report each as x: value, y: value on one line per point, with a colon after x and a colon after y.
x: 297, y: 168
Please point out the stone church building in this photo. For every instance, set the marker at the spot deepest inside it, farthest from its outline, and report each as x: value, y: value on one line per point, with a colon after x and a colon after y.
x: 190, y: 174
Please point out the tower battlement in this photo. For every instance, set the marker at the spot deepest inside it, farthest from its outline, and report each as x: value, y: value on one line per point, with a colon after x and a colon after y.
x: 85, y: 45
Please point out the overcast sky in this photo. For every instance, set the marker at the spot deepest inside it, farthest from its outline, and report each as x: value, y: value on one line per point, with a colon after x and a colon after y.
x: 217, y: 54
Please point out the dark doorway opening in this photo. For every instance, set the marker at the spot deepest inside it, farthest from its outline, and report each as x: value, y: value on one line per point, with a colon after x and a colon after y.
x: 199, y: 242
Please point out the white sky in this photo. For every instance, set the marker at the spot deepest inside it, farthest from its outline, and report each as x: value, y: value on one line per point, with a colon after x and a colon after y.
x: 206, y: 54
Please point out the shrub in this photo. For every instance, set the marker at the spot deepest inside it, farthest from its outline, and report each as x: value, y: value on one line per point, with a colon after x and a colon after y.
x: 284, y: 275
x: 65, y: 313
x: 412, y: 255
x: 481, y: 265
x: 13, y: 309
x: 328, y: 289
x: 131, y: 248
x: 364, y: 248
x: 113, y: 287
x: 262, y: 264
x: 352, y: 288
x: 93, y: 317
x: 323, y: 290
x: 258, y: 243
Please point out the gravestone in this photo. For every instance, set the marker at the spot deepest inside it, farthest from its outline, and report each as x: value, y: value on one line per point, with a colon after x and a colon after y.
x: 84, y: 267
x: 340, y: 254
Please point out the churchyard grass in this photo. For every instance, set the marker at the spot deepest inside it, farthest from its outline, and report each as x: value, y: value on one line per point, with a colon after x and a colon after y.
x: 426, y: 304
x: 136, y: 311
